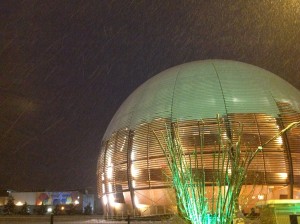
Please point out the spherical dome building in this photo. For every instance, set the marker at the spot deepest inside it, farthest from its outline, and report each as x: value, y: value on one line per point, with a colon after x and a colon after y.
x: 131, y: 165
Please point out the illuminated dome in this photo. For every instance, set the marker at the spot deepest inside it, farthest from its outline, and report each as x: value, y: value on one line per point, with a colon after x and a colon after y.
x: 131, y: 162
x: 202, y: 89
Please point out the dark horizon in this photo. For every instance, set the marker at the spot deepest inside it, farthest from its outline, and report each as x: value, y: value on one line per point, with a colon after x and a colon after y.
x: 66, y: 67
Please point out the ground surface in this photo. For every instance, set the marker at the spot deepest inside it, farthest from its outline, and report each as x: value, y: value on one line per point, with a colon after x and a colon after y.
x: 68, y: 220
x: 84, y: 220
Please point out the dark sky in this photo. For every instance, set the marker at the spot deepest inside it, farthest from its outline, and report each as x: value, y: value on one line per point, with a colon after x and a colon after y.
x: 66, y: 67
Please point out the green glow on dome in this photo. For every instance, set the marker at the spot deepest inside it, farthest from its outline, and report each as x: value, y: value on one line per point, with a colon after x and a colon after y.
x: 202, y: 89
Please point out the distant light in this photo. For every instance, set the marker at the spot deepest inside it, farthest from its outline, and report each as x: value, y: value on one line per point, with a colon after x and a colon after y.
x: 109, y: 160
x: 76, y: 202
x: 132, y: 156
x: 133, y: 183
x: 19, y: 203
x: 229, y: 171
x: 103, y: 188
x: 110, y: 187
x: 49, y: 209
x: 134, y: 172
x: 109, y: 168
x: 111, y: 199
x: 136, y: 201
x: 283, y: 175
x: 62, y: 208
x: 234, y: 99
x: 109, y: 172
x: 104, y: 199
x: 117, y: 205
x: 279, y: 140
x: 260, y: 197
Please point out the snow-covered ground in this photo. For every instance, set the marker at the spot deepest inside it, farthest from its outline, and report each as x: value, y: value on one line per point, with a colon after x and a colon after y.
x: 70, y: 220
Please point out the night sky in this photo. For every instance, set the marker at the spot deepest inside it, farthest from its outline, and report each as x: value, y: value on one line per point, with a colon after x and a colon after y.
x: 66, y: 67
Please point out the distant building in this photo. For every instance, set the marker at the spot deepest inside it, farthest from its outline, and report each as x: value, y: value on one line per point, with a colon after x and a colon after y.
x: 131, y: 166
x: 63, y: 200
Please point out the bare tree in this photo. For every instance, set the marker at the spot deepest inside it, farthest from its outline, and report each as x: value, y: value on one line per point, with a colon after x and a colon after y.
x: 189, y: 178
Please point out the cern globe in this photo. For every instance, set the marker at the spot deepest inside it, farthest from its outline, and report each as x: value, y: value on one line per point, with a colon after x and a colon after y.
x: 132, y: 168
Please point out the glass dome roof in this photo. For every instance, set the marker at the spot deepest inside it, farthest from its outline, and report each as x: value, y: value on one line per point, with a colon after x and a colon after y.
x: 202, y: 89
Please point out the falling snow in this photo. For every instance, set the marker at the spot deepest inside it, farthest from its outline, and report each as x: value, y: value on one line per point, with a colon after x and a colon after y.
x: 66, y: 66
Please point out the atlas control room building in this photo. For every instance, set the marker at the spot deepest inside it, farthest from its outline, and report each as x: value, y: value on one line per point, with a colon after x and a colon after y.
x: 132, y: 166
